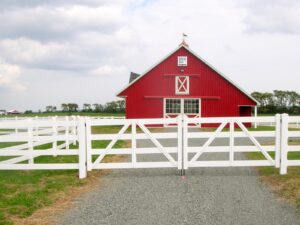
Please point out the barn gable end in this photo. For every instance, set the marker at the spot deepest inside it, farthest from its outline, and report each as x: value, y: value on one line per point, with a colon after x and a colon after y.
x: 218, y: 96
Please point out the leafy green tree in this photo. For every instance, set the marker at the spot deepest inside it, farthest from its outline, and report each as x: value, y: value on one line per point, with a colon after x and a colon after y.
x: 87, y: 107
x: 64, y: 107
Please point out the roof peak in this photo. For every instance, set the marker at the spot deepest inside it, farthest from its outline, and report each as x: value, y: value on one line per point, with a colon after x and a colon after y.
x: 183, y: 43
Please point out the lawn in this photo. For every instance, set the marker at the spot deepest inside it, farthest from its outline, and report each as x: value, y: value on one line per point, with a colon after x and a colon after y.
x: 24, y: 192
x: 285, y: 186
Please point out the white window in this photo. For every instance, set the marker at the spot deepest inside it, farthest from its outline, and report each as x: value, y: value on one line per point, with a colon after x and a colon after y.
x: 173, y: 106
x: 182, y: 84
x: 182, y: 61
x: 188, y: 106
x: 191, y: 106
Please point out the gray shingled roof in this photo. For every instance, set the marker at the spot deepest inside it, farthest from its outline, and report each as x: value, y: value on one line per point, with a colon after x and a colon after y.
x: 133, y: 76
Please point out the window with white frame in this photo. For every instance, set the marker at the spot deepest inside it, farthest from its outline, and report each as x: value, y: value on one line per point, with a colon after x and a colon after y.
x: 191, y: 106
x: 182, y: 84
x: 173, y: 106
x: 182, y: 61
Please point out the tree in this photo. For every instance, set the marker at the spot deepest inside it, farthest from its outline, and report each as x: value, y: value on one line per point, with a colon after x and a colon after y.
x: 111, y: 107
x: 87, y: 107
x: 72, y: 107
x: 28, y: 111
x: 50, y: 108
x: 98, y: 107
x: 278, y: 102
x: 120, y: 106
x: 64, y: 107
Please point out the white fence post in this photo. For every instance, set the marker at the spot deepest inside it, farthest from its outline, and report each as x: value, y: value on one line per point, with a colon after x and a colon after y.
x: 67, y: 133
x: 133, y: 143
x: 30, y: 141
x: 16, y: 129
x: 179, y: 142
x: 54, y: 130
x: 231, y: 142
x: 82, y: 147
x: 277, y: 139
x: 73, y: 132
x: 284, y: 143
x: 255, y: 115
x: 89, y: 155
x: 185, y: 142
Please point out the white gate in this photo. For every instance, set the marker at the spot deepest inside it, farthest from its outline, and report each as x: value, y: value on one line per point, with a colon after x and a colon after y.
x: 133, y: 132
x: 230, y: 138
x: 224, y: 135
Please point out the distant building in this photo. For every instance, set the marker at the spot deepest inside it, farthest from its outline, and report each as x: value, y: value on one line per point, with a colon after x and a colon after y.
x: 13, y: 112
x: 2, y: 112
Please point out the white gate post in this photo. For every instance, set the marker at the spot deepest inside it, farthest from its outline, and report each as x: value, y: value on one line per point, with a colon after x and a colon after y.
x: 284, y: 143
x: 185, y: 142
x: 277, y: 139
x: 82, y: 147
x: 179, y: 142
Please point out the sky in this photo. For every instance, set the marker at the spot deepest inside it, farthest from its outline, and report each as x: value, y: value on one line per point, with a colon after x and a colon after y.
x: 82, y: 51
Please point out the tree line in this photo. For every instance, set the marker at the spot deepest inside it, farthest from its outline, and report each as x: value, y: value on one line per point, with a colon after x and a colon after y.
x: 278, y: 101
x: 109, y: 107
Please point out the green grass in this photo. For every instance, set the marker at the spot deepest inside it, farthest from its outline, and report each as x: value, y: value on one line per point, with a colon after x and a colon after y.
x: 286, y: 186
x: 24, y: 192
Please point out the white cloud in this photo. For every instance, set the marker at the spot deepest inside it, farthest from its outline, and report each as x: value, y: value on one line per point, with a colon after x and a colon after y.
x: 9, y: 75
x: 29, y: 52
x: 275, y: 16
x: 107, y: 70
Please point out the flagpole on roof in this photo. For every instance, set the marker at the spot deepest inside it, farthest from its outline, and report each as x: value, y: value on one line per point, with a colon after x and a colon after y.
x: 184, y: 36
x: 183, y: 43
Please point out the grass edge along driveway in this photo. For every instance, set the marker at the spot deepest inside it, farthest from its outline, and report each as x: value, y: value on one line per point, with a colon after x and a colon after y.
x: 22, y: 193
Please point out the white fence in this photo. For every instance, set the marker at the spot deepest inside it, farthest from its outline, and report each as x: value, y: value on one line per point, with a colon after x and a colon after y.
x: 182, y: 147
x: 47, y: 137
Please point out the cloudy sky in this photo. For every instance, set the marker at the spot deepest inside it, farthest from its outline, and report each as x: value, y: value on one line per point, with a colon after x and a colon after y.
x: 82, y: 51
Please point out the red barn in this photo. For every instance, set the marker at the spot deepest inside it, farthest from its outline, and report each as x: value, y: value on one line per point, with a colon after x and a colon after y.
x: 183, y: 82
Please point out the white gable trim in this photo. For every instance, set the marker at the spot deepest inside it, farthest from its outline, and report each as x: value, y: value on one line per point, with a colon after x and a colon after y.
x: 204, y: 61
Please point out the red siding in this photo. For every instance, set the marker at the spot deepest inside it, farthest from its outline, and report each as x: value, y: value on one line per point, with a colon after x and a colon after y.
x: 144, y: 98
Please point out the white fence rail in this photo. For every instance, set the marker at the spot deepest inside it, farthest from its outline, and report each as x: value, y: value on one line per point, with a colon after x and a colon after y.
x: 220, y: 142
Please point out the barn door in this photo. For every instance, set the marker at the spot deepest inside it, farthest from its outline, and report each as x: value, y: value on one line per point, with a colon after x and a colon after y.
x: 174, y: 107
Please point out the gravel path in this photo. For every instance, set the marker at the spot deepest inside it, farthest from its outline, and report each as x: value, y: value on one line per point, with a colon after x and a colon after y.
x: 160, y: 196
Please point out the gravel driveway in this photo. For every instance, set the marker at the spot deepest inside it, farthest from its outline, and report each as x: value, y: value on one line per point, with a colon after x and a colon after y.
x: 160, y: 196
